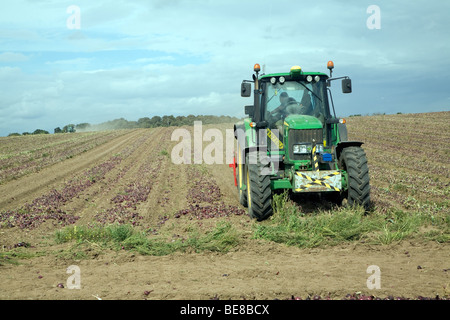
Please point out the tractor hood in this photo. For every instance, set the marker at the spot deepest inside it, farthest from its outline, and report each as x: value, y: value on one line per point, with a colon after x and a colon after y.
x: 298, y: 121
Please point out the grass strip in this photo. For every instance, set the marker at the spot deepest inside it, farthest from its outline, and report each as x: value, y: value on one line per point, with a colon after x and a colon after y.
x: 222, y: 238
x: 290, y: 226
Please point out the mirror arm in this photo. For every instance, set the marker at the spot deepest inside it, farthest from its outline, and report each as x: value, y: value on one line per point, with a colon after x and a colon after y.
x: 331, y: 79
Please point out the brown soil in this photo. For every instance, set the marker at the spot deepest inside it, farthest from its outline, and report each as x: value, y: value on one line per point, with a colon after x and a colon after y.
x: 255, y: 271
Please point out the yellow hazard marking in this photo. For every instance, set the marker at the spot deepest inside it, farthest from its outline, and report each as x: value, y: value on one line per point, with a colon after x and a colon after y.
x: 286, y: 124
x: 240, y: 170
x: 315, y: 161
x: 275, y: 139
x: 317, y: 181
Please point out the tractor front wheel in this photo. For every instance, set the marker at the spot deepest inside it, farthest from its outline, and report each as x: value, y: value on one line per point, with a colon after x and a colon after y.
x: 353, y: 160
x: 259, y: 192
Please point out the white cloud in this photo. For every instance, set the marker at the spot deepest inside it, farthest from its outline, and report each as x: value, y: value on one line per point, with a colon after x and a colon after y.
x: 12, y: 57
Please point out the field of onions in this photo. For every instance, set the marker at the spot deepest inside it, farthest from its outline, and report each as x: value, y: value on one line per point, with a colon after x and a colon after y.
x: 50, y: 206
x: 23, y: 155
x: 409, y: 159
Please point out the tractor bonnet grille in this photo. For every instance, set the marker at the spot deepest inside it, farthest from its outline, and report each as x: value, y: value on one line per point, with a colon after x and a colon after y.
x: 296, y: 136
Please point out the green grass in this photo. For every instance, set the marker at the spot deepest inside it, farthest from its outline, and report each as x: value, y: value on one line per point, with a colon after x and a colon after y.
x: 164, y: 153
x: 94, y: 233
x: 223, y: 237
x: 14, y: 255
x: 346, y: 224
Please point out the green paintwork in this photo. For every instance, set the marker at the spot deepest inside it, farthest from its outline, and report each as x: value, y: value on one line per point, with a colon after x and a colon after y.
x: 250, y: 133
x: 280, y: 184
x: 344, y: 179
x: 303, y: 122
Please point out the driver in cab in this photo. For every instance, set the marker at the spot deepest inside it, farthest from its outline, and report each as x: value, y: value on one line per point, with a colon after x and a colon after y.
x: 289, y: 105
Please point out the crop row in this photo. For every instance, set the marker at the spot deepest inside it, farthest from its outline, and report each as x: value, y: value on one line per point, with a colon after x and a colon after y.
x: 417, y: 136
x: 409, y: 160
x: 204, y: 198
x: 18, y: 162
x: 391, y: 185
x: 50, y: 206
x: 124, y: 205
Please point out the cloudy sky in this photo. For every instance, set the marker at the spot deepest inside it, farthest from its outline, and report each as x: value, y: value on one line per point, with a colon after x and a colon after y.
x: 135, y: 59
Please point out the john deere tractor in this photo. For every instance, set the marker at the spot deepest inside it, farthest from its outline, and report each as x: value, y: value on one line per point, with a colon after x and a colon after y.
x: 292, y: 140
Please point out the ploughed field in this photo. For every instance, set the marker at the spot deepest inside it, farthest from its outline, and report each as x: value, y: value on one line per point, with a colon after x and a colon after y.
x: 139, y: 226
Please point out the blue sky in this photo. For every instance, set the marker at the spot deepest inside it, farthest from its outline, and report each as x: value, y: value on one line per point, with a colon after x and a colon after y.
x: 136, y: 59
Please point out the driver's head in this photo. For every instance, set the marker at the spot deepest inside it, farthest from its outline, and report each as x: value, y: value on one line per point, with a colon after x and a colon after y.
x: 284, y: 98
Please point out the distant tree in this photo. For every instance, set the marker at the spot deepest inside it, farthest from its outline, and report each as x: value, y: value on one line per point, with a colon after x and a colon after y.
x: 179, y: 121
x: 155, y: 121
x: 68, y: 128
x: 14, y: 134
x: 144, y: 122
x: 26, y: 133
x: 132, y: 125
x: 168, y: 121
x: 40, y: 131
x: 190, y: 119
x: 57, y: 130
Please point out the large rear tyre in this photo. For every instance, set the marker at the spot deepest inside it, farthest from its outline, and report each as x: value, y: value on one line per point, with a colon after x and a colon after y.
x: 241, y: 175
x: 259, y: 192
x: 354, y: 161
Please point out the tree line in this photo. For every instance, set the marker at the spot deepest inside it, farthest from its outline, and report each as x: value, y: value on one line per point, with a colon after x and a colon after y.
x: 146, y: 122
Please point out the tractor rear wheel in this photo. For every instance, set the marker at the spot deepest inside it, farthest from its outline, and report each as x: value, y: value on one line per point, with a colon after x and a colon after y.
x: 259, y: 192
x: 354, y: 161
x: 241, y: 175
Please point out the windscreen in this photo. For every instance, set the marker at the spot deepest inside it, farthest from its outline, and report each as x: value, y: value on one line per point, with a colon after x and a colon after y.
x: 294, y: 97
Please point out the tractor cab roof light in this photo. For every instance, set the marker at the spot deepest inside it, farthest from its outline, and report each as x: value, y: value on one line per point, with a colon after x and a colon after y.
x: 330, y: 66
x: 256, y: 67
x: 281, y: 79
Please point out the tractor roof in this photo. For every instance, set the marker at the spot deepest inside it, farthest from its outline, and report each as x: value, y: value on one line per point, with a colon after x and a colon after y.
x: 286, y: 74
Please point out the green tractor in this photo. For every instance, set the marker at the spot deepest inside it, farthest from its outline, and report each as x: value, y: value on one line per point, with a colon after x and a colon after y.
x: 292, y: 140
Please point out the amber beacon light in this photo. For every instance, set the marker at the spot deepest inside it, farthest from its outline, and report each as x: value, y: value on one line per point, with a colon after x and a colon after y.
x: 330, y: 66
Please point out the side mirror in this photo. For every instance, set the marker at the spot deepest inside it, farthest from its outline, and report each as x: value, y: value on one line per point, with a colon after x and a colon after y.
x: 246, y: 89
x: 347, y: 85
x: 249, y: 110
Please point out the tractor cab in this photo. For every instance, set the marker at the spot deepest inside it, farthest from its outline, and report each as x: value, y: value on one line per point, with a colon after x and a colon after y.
x: 296, y: 99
